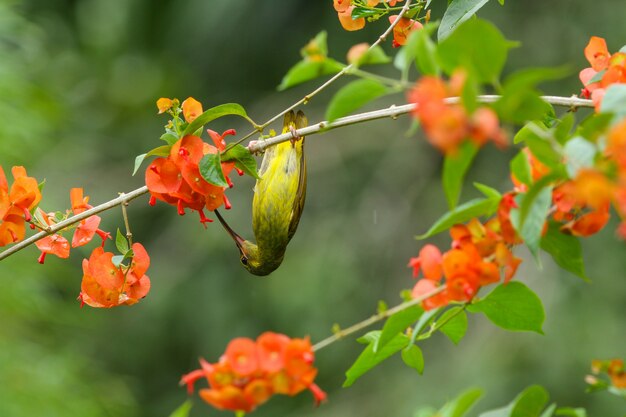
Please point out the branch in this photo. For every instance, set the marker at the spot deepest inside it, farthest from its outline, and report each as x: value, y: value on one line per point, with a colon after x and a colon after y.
x: 260, y: 145
x: 378, y: 317
x: 122, y: 199
x: 393, y: 112
x: 308, y: 97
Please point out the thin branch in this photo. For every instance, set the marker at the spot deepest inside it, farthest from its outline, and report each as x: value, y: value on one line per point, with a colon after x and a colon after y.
x: 123, y: 198
x: 346, y: 69
x: 129, y: 234
x: 376, y: 318
x: 258, y: 146
x: 393, y: 112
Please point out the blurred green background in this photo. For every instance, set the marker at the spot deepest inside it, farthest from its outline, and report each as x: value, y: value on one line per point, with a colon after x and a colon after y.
x: 78, y: 83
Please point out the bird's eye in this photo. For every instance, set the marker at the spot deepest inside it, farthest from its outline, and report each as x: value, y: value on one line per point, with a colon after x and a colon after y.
x: 244, y: 260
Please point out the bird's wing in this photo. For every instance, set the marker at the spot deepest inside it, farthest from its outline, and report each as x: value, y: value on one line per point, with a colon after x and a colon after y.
x: 298, y: 202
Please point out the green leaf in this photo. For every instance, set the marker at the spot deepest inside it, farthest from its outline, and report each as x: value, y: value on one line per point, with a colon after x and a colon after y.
x: 454, y: 327
x: 564, y: 249
x: 571, y: 412
x: 520, y: 168
x: 458, y: 11
x: 455, y: 167
x: 121, y: 243
x: 368, y: 359
x: 366, y: 12
x: 211, y: 170
x: 352, y: 96
x: 476, y: 45
x: 520, y: 101
x: 397, y: 323
x: 426, y: 50
x: 308, y: 70
x: 594, y: 126
x: 215, y: 113
x: 512, y: 306
x: 461, y: 214
x: 374, y: 56
x: 614, y: 101
x: 537, y: 137
x: 488, y: 191
x: 424, y: 319
x: 579, y: 154
x: 183, y: 410
x: 563, y: 128
x: 169, y: 138
x: 548, y: 412
x: 459, y: 406
x: 532, y: 214
x: 244, y: 160
x: 160, y: 151
x: 530, y: 402
x: 413, y: 358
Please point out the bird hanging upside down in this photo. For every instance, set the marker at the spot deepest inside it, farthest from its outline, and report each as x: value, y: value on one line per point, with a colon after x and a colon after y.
x: 278, y: 202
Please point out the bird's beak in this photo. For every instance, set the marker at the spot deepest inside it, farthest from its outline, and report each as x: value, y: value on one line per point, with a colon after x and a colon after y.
x: 238, y: 239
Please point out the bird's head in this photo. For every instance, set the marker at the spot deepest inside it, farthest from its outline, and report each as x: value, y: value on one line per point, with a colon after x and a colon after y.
x: 248, y: 251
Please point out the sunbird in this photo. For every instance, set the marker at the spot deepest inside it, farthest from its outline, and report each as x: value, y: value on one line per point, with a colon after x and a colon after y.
x: 278, y: 202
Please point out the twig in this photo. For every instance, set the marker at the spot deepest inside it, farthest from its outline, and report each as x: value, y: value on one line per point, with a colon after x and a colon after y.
x: 393, y: 112
x: 75, y: 219
x: 378, y: 317
x: 346, y: 69
x: 129, y: 234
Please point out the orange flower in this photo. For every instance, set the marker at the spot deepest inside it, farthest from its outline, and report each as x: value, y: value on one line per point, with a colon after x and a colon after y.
x: 249, y: 372
x: 164, y: 104
x: 177, y: 179
x: 192, y: 108
x: 429, y: 260
x: 426, y: 286
x: 403, y: 29
x: 447, y: 125
x: 349, y: 24
x: 610, y: 69
x: 597, y: 53
x: 242, y: 356
x: 107, y: 285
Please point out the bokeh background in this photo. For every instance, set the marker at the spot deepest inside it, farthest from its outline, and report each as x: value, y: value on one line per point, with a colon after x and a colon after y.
x: 78, y: 83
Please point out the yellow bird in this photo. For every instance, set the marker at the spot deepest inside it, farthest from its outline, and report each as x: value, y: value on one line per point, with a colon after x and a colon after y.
x: 278, y: 202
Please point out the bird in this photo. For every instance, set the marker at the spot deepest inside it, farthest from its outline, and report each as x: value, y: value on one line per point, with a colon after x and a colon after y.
x: 278, y: 202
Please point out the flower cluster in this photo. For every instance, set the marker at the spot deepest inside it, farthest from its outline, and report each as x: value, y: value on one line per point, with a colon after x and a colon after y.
x: 401, y: 31
x: 614, y: 368
x: 250, y: 372
x: 108, y: 284
x: 56, y: 244
x: 480, y: 255
x: 606, y: 69
x: 176, y: 179
x: 447, y: 125
x: 16, y: 204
